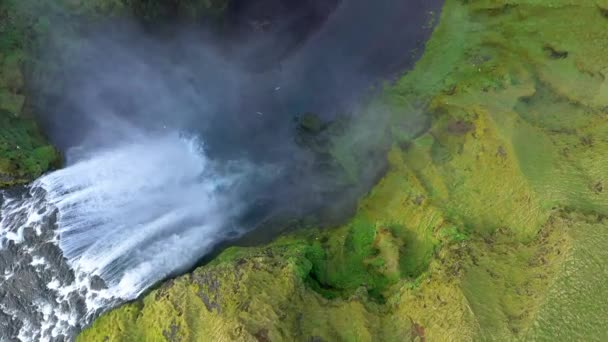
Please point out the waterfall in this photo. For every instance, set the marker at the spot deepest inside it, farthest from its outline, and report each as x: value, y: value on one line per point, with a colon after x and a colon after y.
x: 123, y: 217
x: 135, y: 213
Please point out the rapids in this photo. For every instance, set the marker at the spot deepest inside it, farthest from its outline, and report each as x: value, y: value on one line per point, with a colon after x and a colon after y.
x: 124, y: 218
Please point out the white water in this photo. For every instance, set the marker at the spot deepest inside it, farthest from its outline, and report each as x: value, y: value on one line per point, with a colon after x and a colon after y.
x: 131, y: 214
x: 138, y: 212
x: 145, y: 208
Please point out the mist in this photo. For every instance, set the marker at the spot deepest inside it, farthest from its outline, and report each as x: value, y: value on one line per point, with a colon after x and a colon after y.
x: 180, y: 138
x: 183, y: 135
x: 133, y: 217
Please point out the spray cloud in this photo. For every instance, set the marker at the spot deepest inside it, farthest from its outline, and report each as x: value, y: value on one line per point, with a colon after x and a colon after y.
x: 138, y: 202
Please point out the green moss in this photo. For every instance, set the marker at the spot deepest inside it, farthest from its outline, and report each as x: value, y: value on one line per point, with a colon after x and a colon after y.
x: 453, y: 234
x: 13, y: 37
x: 347, y: 267
x: 24, y: 153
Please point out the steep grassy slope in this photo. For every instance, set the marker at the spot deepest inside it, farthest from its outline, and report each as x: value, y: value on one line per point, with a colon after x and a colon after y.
x: 24, y: 152
x: 489, y: 226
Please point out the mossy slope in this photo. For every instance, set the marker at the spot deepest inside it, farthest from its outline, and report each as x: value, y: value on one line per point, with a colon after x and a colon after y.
x: 489, y: 226
x: 24, y: 152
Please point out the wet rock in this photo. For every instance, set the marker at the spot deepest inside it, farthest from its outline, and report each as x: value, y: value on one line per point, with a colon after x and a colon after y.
x: 77, y: 304
x: 51, y: 253
x: 9, y: 326
x: 97, y: 283
x: 28, y: 266
x: 29, y: 234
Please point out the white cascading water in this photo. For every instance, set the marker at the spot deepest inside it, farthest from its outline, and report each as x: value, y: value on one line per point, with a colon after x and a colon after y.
x: 131, y: 214
x: 141, y: 211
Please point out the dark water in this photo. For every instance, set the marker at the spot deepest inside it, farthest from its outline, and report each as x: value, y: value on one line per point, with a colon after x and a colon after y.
x: 358, y: 46
x: 242, y: 91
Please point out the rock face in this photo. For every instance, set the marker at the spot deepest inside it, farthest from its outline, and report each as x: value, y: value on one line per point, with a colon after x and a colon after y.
x: 489, y: 226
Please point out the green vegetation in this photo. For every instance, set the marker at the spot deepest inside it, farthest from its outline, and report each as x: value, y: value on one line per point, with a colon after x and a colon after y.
x: 12, y: 44
x: 490, y: 225
x: 24, y: 152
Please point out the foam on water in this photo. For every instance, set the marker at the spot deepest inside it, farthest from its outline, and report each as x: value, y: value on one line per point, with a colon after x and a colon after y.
x: 141, y: 211
x: 125, y: 216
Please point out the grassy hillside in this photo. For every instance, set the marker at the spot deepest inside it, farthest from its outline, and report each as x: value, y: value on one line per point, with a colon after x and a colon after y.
x: 492, y: 225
